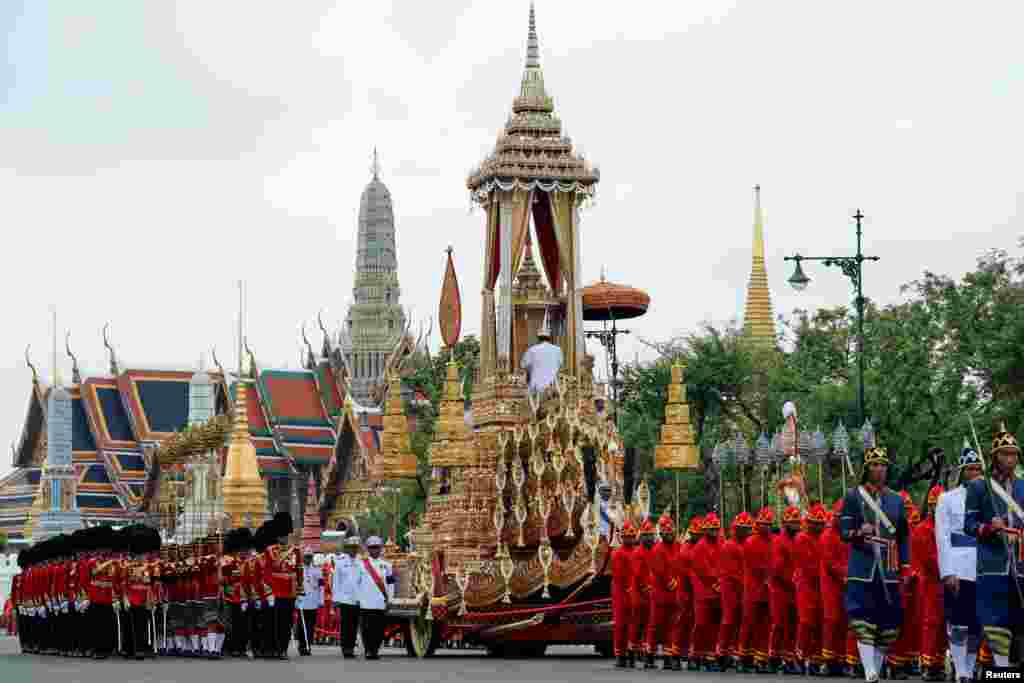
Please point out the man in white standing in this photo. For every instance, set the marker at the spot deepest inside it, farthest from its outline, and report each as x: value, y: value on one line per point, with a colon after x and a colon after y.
x: 958, y: 560
x: 345, y: 589
x: 376, y: 590
x: 309, y: 602
x: 542, y: 361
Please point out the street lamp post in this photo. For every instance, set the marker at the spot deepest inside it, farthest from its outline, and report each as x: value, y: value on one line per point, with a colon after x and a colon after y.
x: 852, y: 268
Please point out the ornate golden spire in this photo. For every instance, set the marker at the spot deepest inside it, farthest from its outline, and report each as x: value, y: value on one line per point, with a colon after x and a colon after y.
x: 677, y: 448
x: 396, y: 459
x: 245, y: 494
x: 758, y: 319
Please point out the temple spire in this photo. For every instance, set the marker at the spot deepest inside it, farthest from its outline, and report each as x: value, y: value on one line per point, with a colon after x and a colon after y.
x: 533, y: 78
x: 375, y: 169
x: 758, y: 320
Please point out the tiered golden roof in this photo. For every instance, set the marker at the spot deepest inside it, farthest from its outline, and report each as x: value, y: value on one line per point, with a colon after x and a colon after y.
x: 677, y: 449
x: 453, y: 441
x: 532, y: 146
x: 758, y: 320
x: 245, y: 494
x: 396, y: 459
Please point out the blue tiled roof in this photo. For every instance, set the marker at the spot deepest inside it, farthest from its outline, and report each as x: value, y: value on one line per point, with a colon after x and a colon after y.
x: 113, y: 412
x: 165, y: 403
x: 81, y: 435
x: 99, y: 501
x: 97, y: 474
x: 130, y: 462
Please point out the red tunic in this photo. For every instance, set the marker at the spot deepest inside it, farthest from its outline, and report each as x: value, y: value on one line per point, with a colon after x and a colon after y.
x: 209, y: 578
x: 832, y: 565
x: 137, y: 584
x: 806, y: 575
x: 704, y: 570
x: 641, y: 576
x: 757, y: 564
x: 730, y: 570
x: 231, y: 572
x: 924, y: 555
x: 103, y: 574
x: 660, y: 562
x: 278, y: 565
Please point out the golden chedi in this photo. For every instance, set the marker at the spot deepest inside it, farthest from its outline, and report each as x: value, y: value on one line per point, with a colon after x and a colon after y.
x: 677, y: 448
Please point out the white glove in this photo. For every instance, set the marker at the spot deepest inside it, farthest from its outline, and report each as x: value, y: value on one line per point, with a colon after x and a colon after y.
x: 244, y: 606
x: 270, y: 601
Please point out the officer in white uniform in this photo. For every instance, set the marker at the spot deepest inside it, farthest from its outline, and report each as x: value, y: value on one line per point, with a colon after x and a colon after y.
x: 309, y: 602
x: 542, y: 361
x: 958, y: 560
x: 376, y: 590
x: 345, y: 589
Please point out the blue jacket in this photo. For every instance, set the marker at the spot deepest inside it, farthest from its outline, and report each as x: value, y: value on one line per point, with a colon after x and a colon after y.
x: 862, y: 565
x: 981, y: 506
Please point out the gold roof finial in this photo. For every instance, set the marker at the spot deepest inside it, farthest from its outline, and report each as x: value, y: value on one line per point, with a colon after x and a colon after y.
x: 76, y: 375
x: 758, y: 321
x: 28, y: 362
x: 114, y: 369
x: 375, y: 168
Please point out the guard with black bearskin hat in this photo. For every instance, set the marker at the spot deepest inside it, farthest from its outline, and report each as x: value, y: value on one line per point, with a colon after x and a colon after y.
x: 283, y: 569
x: 995, y: 516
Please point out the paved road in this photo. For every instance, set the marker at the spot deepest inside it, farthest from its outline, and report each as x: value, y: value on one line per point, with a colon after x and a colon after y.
x: 562, y: 665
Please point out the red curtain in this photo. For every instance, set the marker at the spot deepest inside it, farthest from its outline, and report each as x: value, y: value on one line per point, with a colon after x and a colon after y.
x: 547, y: 243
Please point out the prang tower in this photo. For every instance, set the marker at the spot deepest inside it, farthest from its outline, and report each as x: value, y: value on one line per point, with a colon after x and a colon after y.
x: 375, y: 321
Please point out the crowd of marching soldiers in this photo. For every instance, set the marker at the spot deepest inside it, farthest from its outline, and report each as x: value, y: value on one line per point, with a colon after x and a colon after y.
x: 99, y: 592
x: 762, y: 599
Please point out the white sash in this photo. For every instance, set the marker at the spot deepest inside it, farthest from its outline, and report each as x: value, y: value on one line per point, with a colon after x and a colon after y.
x: 1011, y: 504
x: 879, y: 513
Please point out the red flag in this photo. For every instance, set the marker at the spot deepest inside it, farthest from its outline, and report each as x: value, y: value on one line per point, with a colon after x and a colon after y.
x: 449, y: 316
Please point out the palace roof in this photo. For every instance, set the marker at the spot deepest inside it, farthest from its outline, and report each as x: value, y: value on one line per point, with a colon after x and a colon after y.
x: 118, y: 421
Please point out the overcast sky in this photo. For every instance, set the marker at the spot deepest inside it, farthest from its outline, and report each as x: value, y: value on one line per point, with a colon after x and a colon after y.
x: 153, y: 153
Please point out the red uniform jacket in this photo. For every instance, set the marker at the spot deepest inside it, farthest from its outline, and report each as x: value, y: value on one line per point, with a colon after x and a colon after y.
x: 833, y: 560
x: 683, y: 569
x: 924, y: 555
x: 783, y: 565
x: 730, y: 571
x: 757, y: 565
x: 231, y: 573
x: 103, y: 574
x: 641, y: 577
x: 704, y: 569
x: 277, y: 563
x: 622, y: 574
x: 16, y: 590
x: 664, y: 581
x: 807, y: 574
x: 209, y: 578
x: 137, y: 584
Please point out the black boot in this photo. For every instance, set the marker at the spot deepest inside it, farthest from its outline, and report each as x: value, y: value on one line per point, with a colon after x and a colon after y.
x: 649, y: 662
x: 677, y: 663
x: 666, y: 664
x: 621, y: 662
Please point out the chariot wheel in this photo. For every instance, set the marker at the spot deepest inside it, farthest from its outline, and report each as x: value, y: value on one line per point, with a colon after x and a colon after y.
x: 422, y: 637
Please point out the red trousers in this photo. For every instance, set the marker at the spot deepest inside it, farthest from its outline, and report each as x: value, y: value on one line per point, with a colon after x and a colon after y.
x: 907, y: 646
x: 833, y: 641
x: 732, y: 617
x: 638, y: 620
x: 620, y: 615
x: 707, y: 615
x: 784, y: 620
x: 933, y: 632
x: 755, y: 632
x: 809, y: 634
x: 852, y: 653
x: 682, y: 627
x: 659, y: 626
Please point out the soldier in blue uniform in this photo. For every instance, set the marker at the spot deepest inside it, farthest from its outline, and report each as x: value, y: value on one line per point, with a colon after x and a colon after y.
x: 994, y: 516
x: 874, y: 523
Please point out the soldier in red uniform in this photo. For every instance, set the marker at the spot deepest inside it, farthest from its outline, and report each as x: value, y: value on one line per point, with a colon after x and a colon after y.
x: 102, y: 574
x: 832, y: 562
x: 807, y: 581
x: 755, y: 630
x: 730, y: 572
x: 622, y: 580
x: 782, y: 593
x: 902, y: 658
x: 664, y: 583
x: 707, y: 599
x: 924, y: 553
x: 17, y: 604
x: 282, y: 566
x: 641, y: 590
x: 234, y: 593
x: 682, y: 626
